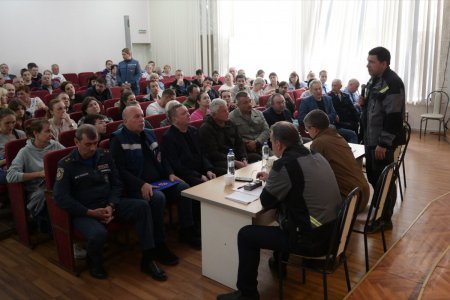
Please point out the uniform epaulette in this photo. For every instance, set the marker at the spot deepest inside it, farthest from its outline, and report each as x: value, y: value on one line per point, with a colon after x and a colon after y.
x: 106, y: 151
x: 68, y: 159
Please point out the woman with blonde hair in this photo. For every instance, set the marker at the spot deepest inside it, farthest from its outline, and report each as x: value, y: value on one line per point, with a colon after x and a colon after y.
x: 58, y: 118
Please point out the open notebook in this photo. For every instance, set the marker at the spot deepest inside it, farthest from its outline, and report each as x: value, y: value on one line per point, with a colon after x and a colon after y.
x: 244, y: 197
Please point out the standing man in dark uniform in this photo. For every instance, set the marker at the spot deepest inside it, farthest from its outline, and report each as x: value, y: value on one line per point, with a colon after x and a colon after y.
x: 88, y: 187
x: 382, y: 118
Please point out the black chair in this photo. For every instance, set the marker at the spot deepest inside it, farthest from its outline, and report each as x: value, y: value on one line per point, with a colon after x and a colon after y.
x: 400, y: 157
x: 327, y: 264
x: 377, y: 207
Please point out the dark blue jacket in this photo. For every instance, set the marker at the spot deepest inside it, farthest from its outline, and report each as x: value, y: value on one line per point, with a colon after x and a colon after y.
x: 129, y: 71
x: 310, y: 103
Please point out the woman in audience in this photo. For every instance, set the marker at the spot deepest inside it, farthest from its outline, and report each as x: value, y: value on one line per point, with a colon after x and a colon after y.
x: 273, y: 85
x: 3, y: 98
x: 69, y: 88
x: 19, y: 108
x: 148, y: 71
x: 28, y: 81
x: 111, y: 77
x: 228, y: 85
x: 155, y: 78
x: 294, y: 82
x: 202, y: 107
x: 257, y: 90
x: 90, y: 105
x: 261, y: 74
x: 58, y: 118
x: 166, y: 71
x: 32, y: 104
x: 283, y: 90
x: 155, y: 91
x: 28, y: 167
x: 125, y: 98
x: 8, y: 133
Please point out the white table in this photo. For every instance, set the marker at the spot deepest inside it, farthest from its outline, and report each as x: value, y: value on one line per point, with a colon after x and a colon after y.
x: 221, y: 221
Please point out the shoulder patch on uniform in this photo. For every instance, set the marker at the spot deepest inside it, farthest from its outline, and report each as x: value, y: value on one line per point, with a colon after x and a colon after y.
x: 68, y: 159
x: 106, y: 150
x: 59, y: 173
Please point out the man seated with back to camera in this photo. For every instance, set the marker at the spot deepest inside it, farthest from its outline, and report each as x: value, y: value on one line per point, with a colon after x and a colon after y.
x: 251, y: 124
x: 88, y: 187
x: 295, y: 182
x: 277, y: 110
x: 328, y: 142
x: 137, y: 156
x: 218, y: 134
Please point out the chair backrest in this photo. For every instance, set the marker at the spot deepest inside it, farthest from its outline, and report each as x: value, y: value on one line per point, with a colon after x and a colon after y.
x: 263, y: 100
x: 39, y: 113
x: 104, y: 144
x: 440, y: 102
x: 72, y: 77
x: 39, y: 93
x: 155, y: 120
x: 144, y: 105
x: 298, y: 93
x: 196, y: 124
x: 181, y: 99
x: 29, y: 121
x: 143, y: 86
x: 111, y: 127
x: 112, y: 113
x: 115, y: 91
x: 380, y: 194
x: 83, y: 78
x: 110, y: 102
x: 77, y: 107
x: 66, y: 138
x: 12, y: 148
x: 49, y: 98
x: 159, y: 132
x: 51, y: 160
x: 399, y: 154
x: 76, y: 115
x: 346, y: 220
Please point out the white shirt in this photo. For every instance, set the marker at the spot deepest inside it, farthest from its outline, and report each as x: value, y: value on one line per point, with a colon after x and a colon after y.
x: 60, y: 77
x: 154, y: 109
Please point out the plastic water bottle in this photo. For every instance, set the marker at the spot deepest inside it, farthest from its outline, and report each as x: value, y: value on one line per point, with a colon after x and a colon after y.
x: 230, y: 162
x: 265, y: 156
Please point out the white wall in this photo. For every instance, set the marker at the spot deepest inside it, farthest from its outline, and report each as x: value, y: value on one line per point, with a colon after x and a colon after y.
x: 78, y: 35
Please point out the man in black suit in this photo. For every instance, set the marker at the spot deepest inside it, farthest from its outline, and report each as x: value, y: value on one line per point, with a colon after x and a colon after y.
x: 277, y: 110
x: 346, y: 114
x: 181, y: 148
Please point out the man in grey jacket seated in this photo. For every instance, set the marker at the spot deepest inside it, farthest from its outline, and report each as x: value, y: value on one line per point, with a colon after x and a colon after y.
x: 306, y: 210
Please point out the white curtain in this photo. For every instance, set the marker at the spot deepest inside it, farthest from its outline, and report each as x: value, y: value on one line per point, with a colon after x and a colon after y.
x: 283, y: 36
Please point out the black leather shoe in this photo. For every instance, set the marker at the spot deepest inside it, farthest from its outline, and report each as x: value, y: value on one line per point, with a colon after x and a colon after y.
x: 153, y: 270
x: 188, y: 236
x: 376, y: 226
x: 165, y: 256
x: 96, y: 270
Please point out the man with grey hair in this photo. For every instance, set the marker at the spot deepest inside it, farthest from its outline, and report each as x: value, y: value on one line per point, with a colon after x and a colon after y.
x: 56, y: 74
x: 251, y: 124
x: 346, y: 114
x: 11, y: 89
x: 88, y: 187
x: 306, y: 211
x: 218, y: 134
x: 352, y: 91
x: 181, y: 148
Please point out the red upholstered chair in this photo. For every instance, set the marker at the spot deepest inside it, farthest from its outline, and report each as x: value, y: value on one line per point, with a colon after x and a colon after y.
x: 110, y: 102
x: 291, y: 93
x: 63, y: 232
x: 196, y: 124
x: 66, y: 138
x: 111, y: 127
x: 298, y: 93
x: 83, y: 78
x: 261, y: 108
x: 140, y: 98
x: 39, y: 93
x: 263, y: 100
x: 72, y: 77
x: 104, y: 144
x: 143, y: 86
x: 191, y: 110
x: 112, y: 113
x: 155, y: 120
x: 76, y: 115
x: 77, y: 107
x: 56, y: 91
x: 216, y: 87
x: 49, y: 98
x: 29, y: 121
x: 297, y: 103
x: 159, y: 132
x: 115, y: 91
x: 222, y: 78
x: 17, y: 195
x: 39, y: 113
x: 144, y: 105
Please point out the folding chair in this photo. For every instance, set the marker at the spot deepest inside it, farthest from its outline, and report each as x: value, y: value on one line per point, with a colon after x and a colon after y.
x: 399, y: 155
x: 439, y: 111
